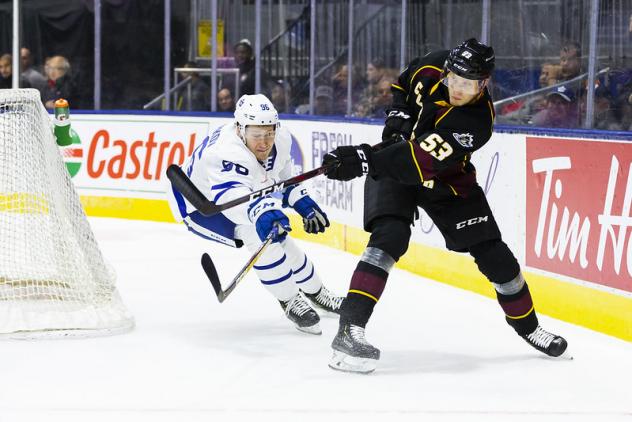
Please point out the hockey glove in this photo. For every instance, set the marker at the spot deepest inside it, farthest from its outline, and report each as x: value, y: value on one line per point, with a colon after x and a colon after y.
x: 314, y: 219
x: 398, y: 124
x: 266, y: 221
x: 265, y: 214
x: 354, y: 161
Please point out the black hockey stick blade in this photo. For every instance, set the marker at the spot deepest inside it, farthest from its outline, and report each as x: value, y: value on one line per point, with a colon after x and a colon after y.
x: 211, y: 271
x: 208, y: 208
x: 185, y: 186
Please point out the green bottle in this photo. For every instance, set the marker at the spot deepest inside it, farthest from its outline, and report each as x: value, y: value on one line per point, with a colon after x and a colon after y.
x: 64, y: 134
x: 67, y: 138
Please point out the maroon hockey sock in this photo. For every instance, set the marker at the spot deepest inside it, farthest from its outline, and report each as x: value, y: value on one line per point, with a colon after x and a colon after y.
x: 519, y: 310
x: 367, y: 285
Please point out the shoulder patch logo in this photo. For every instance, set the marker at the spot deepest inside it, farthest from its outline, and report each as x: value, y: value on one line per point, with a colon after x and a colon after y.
x: 466, y: 140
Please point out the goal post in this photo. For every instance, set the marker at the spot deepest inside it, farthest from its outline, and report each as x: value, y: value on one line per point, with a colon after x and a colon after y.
x: 54, y: 281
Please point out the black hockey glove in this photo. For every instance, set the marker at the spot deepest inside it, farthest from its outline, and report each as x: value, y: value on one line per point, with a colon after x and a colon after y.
x: 354, y: 161
x: 398, y: 124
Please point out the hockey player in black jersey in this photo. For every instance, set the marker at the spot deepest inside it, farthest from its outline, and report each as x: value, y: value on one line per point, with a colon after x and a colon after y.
x: 441, y: 114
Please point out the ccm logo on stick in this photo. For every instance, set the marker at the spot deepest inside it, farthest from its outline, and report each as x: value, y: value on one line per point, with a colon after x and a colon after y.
x: 471, y: 222
x: 267, y: 191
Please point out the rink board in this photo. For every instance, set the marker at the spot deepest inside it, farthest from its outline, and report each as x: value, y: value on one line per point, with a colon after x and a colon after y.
x: 562, y: 203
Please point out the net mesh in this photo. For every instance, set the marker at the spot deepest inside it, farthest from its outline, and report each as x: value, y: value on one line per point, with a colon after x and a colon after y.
x: 53, y: 278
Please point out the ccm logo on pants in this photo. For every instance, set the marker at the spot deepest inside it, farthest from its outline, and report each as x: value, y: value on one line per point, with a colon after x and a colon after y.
x: 471, y: 222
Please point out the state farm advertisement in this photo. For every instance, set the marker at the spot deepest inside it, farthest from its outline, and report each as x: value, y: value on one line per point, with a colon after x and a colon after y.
x: 579, y: 194
x: 130, y: 154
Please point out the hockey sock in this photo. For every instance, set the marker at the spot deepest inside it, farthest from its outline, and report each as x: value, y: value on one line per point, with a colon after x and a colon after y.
x: 303, y: 271
x: 367, y: 284
x: 519, y: 311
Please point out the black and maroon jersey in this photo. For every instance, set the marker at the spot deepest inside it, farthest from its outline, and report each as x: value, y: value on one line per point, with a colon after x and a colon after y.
x: 444, y: 136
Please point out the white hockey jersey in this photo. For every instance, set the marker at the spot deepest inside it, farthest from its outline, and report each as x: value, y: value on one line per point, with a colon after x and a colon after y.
x: 223, y: 168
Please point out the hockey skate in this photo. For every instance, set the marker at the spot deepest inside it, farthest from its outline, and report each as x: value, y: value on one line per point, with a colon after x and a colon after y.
x: 326, y: 301
x: 352, y: 353
x: 549, y: 344
x: 304, y: 317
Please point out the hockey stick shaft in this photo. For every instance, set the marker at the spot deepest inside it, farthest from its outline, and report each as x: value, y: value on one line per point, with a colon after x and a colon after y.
x: 207, y: 208
x: 211, y: 271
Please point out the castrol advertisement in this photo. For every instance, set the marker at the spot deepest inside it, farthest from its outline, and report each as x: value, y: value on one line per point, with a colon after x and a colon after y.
x: 579, y: 194
x: 128, y: 155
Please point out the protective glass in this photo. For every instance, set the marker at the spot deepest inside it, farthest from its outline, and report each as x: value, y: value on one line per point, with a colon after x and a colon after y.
x: 466, y: 86
x: 260, y: 133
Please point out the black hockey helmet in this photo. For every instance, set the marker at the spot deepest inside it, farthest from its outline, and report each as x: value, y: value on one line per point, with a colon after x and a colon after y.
x: 471, y: 60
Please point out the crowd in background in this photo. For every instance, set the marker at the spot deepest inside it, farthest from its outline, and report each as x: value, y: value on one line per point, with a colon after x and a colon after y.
x: 565, y: 105
x: 370, y: 94
x: 53, y: 80
x: 562, y: 107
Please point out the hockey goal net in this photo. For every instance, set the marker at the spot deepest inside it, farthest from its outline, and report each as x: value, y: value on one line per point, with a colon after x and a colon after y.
x: 54, y: 281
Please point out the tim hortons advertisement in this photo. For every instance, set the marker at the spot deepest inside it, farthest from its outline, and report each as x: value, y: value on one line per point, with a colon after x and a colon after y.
x: 579, y: 194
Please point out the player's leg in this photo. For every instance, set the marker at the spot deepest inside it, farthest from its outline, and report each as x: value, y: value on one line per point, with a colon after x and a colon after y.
x: 468, y: 224
x: 308, y: 281
x: 498, y: 264
x: 389, y: 211
x: 276, y: 274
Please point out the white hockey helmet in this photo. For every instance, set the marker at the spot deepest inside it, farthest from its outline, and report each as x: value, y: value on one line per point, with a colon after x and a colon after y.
x: 255, y: 110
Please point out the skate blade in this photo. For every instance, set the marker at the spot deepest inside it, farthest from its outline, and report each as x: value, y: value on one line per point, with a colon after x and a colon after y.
x: 346, y: 363
x: 314, y: 329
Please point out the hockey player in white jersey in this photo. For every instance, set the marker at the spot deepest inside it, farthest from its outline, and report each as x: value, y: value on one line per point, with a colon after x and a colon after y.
x: 235, y: 160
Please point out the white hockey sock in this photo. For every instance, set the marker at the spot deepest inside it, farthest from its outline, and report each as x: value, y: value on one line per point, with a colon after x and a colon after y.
x: 304, y: 273
x: 275, y: 273
x: 273, y: 268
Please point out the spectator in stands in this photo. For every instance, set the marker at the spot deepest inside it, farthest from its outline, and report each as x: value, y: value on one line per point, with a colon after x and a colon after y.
x: 375, y: 70
x: 570, y: 60
x: 59, y: 84
x: 339, y: 85
x: 561, y: 110
x: 550, y: 74
x: 225, y: 100
x: 200, y: 92
x: 245, y: 61
x: 279, y: 97
x: 6, y: 73
x: 383, y: 99
x: 323, y: 102
x: 33, y: 77
x: 623, y: 104
x: 605, y: 117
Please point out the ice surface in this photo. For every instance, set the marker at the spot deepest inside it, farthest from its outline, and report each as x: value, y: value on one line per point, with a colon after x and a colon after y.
x: 447, y: 354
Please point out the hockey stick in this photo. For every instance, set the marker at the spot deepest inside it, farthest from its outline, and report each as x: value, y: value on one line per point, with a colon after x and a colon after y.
x: 207, y: 208
x: 211, y: 272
